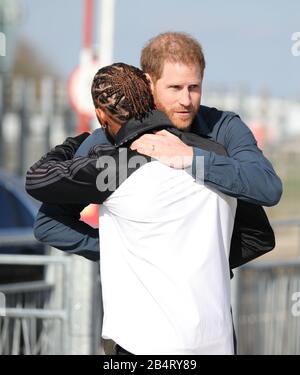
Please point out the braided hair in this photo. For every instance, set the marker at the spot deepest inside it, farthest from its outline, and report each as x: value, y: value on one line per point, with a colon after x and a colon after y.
x: 124, y: 91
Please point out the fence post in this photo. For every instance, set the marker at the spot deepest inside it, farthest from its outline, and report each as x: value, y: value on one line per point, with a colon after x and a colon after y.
x: 81, y: 306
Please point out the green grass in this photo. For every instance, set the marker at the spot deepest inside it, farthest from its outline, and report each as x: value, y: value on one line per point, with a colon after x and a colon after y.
x: 287, y: 167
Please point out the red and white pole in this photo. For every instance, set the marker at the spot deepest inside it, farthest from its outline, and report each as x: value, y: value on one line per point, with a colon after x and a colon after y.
x: 86, y: 54
x: 88, y: 24
x: 106, y: 28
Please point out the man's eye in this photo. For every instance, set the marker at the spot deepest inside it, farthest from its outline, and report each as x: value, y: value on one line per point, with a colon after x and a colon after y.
x: 175, y: 87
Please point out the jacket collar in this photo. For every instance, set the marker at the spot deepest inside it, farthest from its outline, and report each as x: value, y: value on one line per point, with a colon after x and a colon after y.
x: 199, y: 125
x: 157, y: 120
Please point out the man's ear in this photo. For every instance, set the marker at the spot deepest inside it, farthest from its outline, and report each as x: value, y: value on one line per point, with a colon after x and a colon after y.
x: 150, y: 81
x: 101, y: 116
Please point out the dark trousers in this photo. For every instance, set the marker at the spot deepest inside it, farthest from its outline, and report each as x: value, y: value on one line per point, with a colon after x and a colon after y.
x: 234, y: 337
x: 121, y: 351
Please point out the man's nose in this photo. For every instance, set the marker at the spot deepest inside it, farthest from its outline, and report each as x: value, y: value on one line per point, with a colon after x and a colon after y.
x: 185, y: 97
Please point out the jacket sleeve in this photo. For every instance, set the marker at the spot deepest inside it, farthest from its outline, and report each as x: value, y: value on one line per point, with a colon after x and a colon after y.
x: 245, y: 173
x: 60, y: 226
x: 252, y: 234
x: 82, y: 180
x: 59, y: 178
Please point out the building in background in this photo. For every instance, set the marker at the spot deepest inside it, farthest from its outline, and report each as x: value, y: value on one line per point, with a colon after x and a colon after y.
x: 273, y: 121
x: 10, y: 14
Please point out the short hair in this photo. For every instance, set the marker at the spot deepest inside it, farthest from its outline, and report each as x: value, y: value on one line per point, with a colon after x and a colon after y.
x: 124, y: 91
x: 172, y: 47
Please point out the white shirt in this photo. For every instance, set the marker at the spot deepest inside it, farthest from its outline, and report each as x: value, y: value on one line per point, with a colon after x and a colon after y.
x: 164, y: 251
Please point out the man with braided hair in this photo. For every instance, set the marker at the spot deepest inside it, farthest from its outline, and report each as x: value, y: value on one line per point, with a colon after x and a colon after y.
x: 123, y: 90
x: 148, y: 232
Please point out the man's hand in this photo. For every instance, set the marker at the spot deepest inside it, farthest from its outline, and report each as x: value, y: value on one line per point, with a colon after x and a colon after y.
x: 165, y: 147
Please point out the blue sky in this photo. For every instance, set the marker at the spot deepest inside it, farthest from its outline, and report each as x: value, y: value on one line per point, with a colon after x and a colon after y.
x: 244, y: 42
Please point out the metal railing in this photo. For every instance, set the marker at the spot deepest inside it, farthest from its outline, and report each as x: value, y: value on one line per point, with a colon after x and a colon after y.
x: 31, y: 325
x: 39, y: 316
x: 266, y: 321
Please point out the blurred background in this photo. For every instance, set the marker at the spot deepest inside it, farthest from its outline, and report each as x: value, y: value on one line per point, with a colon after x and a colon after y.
x: 49, y: 52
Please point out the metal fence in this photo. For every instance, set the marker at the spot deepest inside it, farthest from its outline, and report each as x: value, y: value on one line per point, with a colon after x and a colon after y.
x: 267, y: 299
x: 62, y: 314
x: 31, y: 324
x: 268, y: 322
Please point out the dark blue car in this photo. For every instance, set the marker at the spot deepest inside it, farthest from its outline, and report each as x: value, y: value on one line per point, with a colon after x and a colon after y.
x: 17, y: 213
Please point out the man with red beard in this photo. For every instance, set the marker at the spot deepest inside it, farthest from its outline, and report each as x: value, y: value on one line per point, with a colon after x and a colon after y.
x: 175, y: 64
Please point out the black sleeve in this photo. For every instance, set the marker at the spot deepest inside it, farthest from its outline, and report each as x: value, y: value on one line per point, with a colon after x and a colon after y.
x: 82, y: 180
x: 252, y: 235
